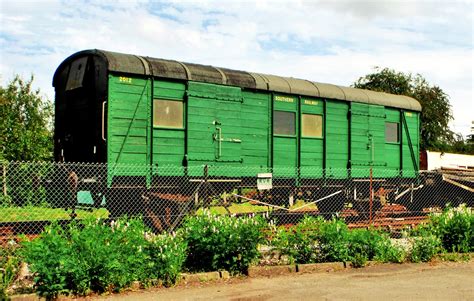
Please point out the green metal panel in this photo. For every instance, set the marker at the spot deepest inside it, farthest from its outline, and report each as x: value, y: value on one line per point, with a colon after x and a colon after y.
x: 128, y: 126
x: 311, y: 148
x: 168, y: 143
x: 285, y: 148
x: 367, y: 140
x: 337, y: 139
x: 214, y: 127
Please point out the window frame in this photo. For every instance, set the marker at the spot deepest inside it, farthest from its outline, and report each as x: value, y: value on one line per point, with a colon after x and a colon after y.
x: 398, y: 132
x: 295, y: 134
x: 183, y: 126
x: 322, y: 126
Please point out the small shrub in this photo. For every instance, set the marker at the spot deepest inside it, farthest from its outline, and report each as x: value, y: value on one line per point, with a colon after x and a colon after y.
x: 334, y: 241
x: 455, y: 228
x: 95, y: 256
x: 222, y: 242
x: 48, y: 257
x: 391, y: 253
x: 425, y: 247
x: 300, y: 242
x: 166, y: 254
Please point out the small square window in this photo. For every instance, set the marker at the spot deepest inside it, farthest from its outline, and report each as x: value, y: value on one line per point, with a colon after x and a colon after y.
x: 284, y: 123
x: 391, y: 132
x: 312, y: 125
x: 168, y: 113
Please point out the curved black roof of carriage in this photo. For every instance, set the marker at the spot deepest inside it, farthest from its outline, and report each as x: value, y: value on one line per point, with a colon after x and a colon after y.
x: 148, y: 66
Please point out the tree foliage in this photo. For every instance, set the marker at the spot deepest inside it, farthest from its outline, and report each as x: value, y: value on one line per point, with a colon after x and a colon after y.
x: 25, y: 122
x: 436, y: 109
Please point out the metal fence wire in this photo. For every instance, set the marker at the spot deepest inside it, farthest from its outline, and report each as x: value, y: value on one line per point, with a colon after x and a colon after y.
x: 36, y: 193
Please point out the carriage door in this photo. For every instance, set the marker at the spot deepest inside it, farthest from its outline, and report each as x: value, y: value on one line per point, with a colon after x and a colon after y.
x: 214, y: 125
x: 285, y: 129
x: 367, y: 139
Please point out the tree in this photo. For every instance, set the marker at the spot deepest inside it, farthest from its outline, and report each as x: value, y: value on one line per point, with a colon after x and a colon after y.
x: 436, y: 109
x: 25, y: 122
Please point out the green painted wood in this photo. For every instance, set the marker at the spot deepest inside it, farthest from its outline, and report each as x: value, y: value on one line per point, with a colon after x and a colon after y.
x: 412, y: 120
x: 129, y: 125
x: 311, y: 148
x: 337, y: 139
x: 168, y: 143
x: 367, y: 140
x: 285, y: 148
x: 214, y: 114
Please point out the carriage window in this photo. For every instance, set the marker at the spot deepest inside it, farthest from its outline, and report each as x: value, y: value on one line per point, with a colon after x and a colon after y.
x: 391, y: 132
x: 76, y: 74
x: 283, y: 123
x: 167, y: 113
x: 312, y: 125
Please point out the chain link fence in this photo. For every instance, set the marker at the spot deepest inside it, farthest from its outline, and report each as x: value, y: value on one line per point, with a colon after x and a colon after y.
x: 36, y: 193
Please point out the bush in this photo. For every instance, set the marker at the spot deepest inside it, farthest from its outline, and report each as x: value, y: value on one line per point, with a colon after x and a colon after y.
x: 425, y: 247
x: 48, y: 257
x: 333, y: 237
x: 167, y: 254
x: 98, y: 257
x: 455, y: 228
x: 222, y: 242
x: 299, y: 243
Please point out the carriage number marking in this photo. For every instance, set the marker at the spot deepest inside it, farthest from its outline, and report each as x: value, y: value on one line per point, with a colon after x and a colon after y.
x: 124, y: 79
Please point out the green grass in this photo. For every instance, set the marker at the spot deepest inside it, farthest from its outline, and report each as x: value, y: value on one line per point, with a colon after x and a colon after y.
x: 30, y: 213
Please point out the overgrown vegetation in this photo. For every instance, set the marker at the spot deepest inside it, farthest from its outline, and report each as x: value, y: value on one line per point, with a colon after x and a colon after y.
x: 96, y: 257
x: 317, y: 240
x: 221, y: 242
x: 92, y: 256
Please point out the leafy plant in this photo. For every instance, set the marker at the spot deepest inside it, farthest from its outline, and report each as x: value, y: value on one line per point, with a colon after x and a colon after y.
x: 167, y: 254
x: 222, y: 242
x: 425, y: 247
x: 334, y: 240
x: 300, y: 242
x: 96, y: 256
x: 455, y: 228
x: 8, y: 273
x: 48, y: 258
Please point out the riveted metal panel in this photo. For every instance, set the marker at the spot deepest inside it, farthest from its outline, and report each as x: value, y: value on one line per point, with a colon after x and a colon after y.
x: 167, y: 68
x: 207, y: 74
x: 239, y: 78
x: 330, y: 91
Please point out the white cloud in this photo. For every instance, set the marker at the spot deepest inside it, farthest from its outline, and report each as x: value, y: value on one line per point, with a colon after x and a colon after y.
x: 326, y: 41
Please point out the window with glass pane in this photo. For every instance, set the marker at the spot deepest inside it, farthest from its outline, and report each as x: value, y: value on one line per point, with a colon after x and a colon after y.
x: 168, y: 113
x: 391, y: 132
x: 283, y: 123
x: 312, y: 125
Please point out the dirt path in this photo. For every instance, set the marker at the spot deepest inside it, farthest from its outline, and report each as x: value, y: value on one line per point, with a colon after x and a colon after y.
x: 439, y: 281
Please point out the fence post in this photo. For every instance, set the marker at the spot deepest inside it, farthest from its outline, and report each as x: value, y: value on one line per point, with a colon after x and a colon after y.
x: 370, y: 197
x: 4, y: 178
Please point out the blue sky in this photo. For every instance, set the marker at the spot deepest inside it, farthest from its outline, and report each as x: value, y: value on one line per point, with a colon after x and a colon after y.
x: 326, y: 41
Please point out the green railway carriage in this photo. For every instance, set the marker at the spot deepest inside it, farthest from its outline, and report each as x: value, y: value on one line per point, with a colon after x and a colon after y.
x: 124, y: 109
